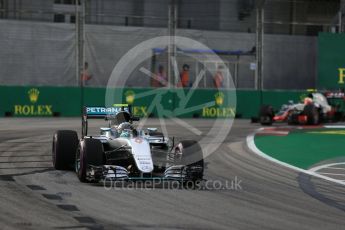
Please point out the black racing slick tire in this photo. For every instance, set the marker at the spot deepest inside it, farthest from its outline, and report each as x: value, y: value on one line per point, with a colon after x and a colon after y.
x: 312, y: 113
x: 90, y: 152
x: 65, y: 144
x: 266, y: 115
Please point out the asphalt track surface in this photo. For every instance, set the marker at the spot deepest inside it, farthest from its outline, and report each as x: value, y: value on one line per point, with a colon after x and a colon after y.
x: 269, y: 196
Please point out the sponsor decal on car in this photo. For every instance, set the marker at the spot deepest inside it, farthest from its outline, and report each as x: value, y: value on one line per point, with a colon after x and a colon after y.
x: 103, y: 110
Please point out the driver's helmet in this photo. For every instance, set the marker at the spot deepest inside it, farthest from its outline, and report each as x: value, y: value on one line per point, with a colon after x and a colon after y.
x: 308, y: 101
x: 124, y: 129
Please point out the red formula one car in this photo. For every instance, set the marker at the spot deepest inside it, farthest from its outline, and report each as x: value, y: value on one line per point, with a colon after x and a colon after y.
x: 314, y: 109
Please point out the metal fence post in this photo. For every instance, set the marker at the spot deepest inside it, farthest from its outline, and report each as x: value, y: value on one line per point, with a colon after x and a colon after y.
x: 172, y: 23
x: 259, y: 47
x: 340, y: 14
x: 79, y: 49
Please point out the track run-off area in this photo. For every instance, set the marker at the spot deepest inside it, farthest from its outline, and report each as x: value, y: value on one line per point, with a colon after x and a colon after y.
x: 315, y: 150
x: 246, y: 191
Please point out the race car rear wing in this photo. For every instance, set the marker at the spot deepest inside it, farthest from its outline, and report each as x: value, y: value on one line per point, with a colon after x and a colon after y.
x: 104, y: 112
x: 334, y: 95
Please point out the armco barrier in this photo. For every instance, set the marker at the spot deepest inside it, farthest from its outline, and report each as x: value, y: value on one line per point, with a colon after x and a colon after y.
x: 31, y: 101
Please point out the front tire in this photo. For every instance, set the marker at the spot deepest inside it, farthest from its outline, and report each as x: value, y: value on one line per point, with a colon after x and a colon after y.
x: 189, y: 153
x: 266, y: 115
x: 65, y: 144
x: 90, y: 152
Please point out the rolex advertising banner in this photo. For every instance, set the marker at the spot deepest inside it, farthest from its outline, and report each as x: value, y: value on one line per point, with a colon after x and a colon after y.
x: 29, y: 101
x: 36, y: 101
x: 331, y: 61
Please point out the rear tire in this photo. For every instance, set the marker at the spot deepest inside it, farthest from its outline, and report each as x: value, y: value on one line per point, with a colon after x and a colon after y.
x: 312, y: 113
x: 90, y: 152
x: 65, y: 144
x: 266, y: 115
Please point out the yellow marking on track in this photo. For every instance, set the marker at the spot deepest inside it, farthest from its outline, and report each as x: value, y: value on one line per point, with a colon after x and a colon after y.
x: 332, y: 132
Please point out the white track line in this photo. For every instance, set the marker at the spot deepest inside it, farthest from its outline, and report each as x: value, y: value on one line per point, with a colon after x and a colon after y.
x: 334, y: 174
x: 334, y: 126
x: 317, y: 168
x: 335, y: 168
x: 251, y: 145
x: 265, y: 132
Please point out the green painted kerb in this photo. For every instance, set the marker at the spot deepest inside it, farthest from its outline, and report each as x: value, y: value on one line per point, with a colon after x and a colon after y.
x: 304, y: 148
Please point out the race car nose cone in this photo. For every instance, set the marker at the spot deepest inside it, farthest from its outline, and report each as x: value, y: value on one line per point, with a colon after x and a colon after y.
x: 142, y: 154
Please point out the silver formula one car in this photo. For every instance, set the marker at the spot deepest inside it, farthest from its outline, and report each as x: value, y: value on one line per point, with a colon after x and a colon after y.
x: 124, y: 152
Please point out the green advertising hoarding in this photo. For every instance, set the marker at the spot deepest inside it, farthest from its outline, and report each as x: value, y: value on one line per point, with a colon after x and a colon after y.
x: 22, y: 101
x: 331, y: 61
x: 36, y: 101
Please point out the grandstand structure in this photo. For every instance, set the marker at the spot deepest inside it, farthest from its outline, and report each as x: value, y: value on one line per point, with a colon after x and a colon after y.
x: 55, y: 37
x: 302, y: 17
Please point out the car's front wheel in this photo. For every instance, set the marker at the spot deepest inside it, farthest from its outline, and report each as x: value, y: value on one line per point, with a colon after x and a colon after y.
x: 266, y: 115
x: 189, y: 153
x: 89, y: 153
x: 65, y: 143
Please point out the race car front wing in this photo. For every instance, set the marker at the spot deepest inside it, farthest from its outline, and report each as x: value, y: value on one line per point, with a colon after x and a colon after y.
x: 115, y: 173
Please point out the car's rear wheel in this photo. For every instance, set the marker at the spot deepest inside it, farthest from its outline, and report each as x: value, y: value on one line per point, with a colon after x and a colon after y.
x: 90, y: 152
x: 312, y: 113
x: 65, y: 144
x: 266, y: 115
